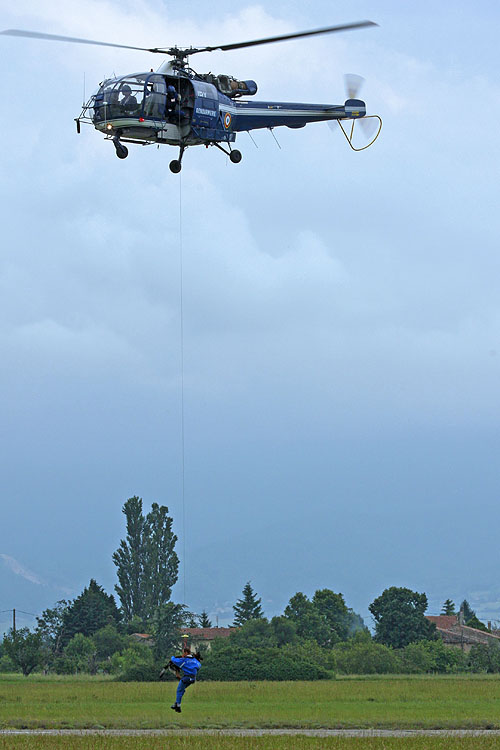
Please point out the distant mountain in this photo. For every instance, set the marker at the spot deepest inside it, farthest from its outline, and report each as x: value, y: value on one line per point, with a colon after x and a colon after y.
x: 27, y: 592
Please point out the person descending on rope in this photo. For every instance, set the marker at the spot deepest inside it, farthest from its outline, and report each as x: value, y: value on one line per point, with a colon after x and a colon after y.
x: 186, y: 667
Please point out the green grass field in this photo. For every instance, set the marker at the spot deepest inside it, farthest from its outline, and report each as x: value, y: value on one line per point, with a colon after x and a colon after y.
x: 389, y: 702
x: 249, y: 743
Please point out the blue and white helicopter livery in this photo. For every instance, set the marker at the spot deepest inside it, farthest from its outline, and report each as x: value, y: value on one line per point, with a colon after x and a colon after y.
x: 178, y: 106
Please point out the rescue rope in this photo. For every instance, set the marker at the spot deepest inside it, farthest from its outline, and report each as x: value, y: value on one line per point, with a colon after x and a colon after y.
x: 183, y: 493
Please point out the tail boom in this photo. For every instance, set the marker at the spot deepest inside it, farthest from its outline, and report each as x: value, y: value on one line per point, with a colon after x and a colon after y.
x: 254, y: 115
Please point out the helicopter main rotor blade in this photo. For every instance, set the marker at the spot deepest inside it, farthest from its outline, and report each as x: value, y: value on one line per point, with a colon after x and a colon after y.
x: 284, y: 37
x: 185, y: 52
x: 76, y: 40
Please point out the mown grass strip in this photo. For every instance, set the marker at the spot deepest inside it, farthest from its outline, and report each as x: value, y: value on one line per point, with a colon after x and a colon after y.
x: 248, y: 743
x: 391, y: 703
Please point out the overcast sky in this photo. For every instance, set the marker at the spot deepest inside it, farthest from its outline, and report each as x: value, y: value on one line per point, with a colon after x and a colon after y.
x: 341, y: 312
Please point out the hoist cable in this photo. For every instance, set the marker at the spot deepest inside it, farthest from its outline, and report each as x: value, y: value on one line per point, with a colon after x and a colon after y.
x: 181, y: 283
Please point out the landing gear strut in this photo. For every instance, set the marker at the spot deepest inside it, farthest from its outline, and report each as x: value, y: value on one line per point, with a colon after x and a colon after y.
x: 176, y: 164
x: 121, y: 150
x: 234, y: 154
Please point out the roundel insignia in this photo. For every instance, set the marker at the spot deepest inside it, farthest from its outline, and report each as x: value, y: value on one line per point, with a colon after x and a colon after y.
x: 227, y: 120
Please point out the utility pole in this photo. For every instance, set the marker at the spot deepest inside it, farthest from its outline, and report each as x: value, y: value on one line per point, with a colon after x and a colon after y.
x: 14, y: 621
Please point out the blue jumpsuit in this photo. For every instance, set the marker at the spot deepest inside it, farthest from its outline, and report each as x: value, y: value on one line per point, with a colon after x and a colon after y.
x: 190, y: 666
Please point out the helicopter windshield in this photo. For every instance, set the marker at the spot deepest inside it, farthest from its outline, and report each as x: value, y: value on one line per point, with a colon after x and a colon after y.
x: 139, y: 95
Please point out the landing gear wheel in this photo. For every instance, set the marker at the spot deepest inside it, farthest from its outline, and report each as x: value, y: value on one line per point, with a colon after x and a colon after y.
x: 175, y: 166
x: 235, y: 156
x: 121, y: 151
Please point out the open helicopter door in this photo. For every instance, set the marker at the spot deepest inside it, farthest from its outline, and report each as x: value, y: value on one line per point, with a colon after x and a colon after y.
x: 178, y: 111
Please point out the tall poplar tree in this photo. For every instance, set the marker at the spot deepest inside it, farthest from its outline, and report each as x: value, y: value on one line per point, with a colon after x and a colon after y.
x: 146, y: 561
x: 129, y: 560
x: 161, y: 563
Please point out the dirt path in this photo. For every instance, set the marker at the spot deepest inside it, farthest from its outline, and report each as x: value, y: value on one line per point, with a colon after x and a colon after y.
x: 256, y: 732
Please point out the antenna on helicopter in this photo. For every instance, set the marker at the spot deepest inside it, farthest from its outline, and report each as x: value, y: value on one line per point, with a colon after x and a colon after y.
x: 277, y: 142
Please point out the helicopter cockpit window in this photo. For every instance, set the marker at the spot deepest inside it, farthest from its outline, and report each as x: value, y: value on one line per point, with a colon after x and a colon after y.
x: 105, y: 102
x: 143, y: 94
x: 155, y: 97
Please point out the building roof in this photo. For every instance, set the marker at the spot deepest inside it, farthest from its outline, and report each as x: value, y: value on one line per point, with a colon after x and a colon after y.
x: 208, y: 634
x: 451, y: 631
x: 443, y: 622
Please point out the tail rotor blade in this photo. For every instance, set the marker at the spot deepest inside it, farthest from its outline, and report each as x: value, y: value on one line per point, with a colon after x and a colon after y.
x: 369, y: 126
x: 353, y: 84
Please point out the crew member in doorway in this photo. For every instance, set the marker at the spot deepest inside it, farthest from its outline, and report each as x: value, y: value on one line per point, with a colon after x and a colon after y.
x: 173, y: 104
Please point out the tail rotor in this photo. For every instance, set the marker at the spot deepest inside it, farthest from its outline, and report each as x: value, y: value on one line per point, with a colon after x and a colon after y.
x: 353, y: 85
x: 371, y: 125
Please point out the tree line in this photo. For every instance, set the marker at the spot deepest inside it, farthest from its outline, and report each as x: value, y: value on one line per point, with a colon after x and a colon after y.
x: 314, y: 638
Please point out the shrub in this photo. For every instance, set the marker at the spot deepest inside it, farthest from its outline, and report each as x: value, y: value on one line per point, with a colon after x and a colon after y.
x: 137, y: 665
x: 256, y: 633
x: 81, y: 652
x: 363, y: 656
x: 285, y: 631
x: 24, y: 649
x: 482, y: 658
x: 108, y: 641
x: 431, y: 656
x: 236, y: 663
x: 7, y: 665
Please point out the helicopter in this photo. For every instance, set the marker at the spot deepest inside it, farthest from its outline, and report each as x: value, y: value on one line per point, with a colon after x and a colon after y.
x: 179, y: 107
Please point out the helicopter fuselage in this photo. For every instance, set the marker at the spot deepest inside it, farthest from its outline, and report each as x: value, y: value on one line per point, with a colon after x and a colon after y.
x: 180, y: 107
x: 139, y: 108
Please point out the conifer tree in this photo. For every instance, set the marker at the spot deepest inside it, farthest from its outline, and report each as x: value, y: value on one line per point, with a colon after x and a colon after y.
x: 448, y: 608
x: 248, y: 607
x: 204, y: 620
x: 191, y: 620
x: 89, y: 612
x: 467, y: 610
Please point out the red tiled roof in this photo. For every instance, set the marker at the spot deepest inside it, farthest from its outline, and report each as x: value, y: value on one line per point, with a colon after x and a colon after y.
x: 208, y: 634
x: 443, y: 622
